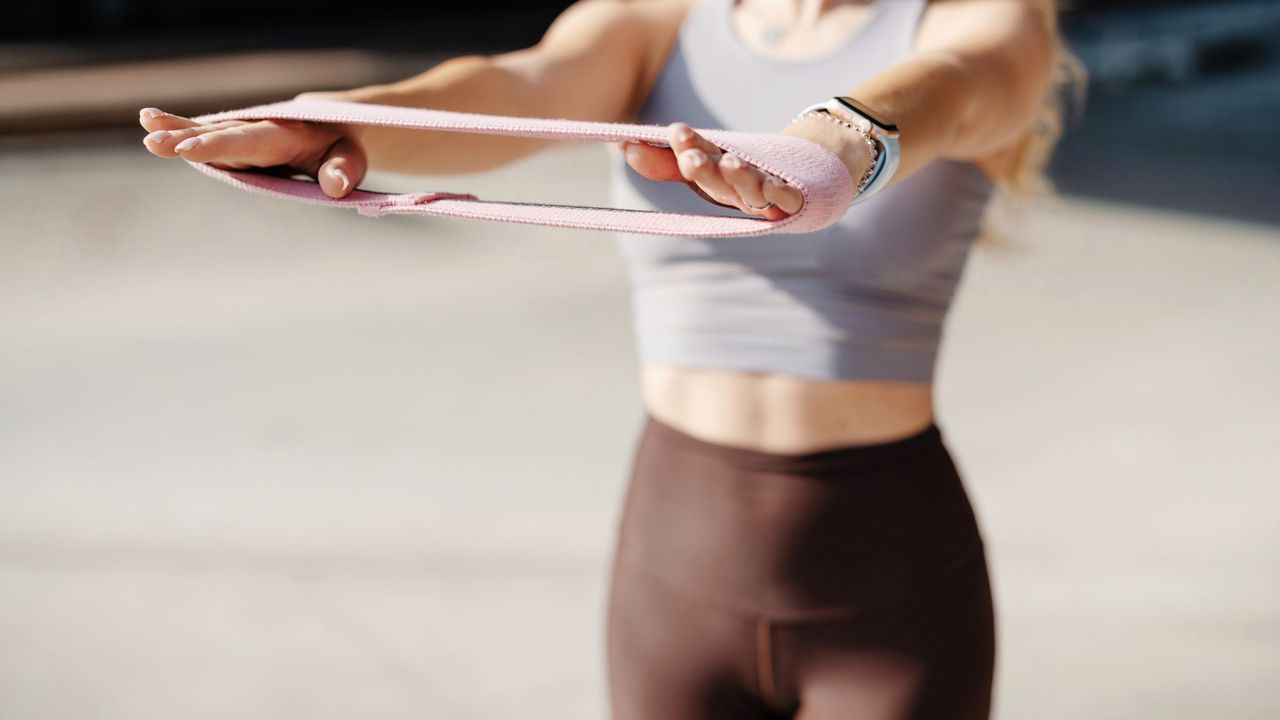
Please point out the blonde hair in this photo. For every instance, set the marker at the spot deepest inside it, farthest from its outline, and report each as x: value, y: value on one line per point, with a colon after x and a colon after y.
x: 1022, y: 178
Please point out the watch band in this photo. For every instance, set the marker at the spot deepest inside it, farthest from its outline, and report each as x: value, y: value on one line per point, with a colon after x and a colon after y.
x: 877, y: 157
x: 882, y: 135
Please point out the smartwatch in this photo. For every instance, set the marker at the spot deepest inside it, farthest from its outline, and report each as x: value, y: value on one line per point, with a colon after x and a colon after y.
x: 851, y: 113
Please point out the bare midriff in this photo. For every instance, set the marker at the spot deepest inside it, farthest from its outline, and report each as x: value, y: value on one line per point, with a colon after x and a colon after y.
x: 783, y: 413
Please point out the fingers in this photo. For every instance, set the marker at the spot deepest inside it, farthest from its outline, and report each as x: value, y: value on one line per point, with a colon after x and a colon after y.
x: 658, y: 163
x: 761, y: 193
x: 342, y: 169
x: 652, y: 163
x: 697, y: 166
x: 697, y: 158
x: 233, y: 144
x: 682, y: 137
x: 337, y: 163
x: 726, y: 178
x: 321, y: 95
x: 154, y: 119
x: 746, y: 182
x: 264, y: 143
x: 788, y: 199
x: 165, y: 142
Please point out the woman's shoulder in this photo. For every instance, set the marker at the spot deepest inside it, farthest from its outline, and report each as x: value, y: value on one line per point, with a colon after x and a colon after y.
x: 994, y: 27
x: 658, y: 23
x: 646, y: 18
x: 649, y: 14
x: 660, y: 19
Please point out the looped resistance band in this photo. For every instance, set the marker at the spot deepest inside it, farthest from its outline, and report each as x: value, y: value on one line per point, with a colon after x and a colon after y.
x: 820, y: 176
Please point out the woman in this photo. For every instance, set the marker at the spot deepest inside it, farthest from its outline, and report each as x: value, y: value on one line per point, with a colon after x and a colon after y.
x: 796, y: 541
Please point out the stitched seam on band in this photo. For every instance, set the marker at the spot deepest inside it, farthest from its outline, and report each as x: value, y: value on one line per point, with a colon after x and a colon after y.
x: 764, y: 661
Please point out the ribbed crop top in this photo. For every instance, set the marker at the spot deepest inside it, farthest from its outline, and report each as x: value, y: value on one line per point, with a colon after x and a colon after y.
x: 864, y: 299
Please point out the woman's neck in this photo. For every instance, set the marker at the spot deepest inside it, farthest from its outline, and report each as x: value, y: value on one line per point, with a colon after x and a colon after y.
x: 793, y: 29
x: 799, y: 12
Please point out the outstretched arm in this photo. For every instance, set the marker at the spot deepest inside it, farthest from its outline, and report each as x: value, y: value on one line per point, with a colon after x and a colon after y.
x: 972, y: 86
x: 590, y: 64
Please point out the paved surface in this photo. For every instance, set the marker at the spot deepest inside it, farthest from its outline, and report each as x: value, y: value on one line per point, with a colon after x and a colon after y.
x: 260, y: 460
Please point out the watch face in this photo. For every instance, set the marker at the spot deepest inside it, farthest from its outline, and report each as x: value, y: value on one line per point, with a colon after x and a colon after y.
x: 862, y: 110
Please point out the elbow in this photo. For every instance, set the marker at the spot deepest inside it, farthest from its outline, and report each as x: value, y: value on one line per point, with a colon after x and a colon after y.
x: 1004, y: 100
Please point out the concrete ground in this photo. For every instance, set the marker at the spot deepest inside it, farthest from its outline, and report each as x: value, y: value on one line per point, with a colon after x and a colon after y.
x: 260, y: 460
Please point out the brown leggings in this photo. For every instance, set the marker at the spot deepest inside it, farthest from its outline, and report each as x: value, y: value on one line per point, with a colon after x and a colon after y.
x: 848, y: 583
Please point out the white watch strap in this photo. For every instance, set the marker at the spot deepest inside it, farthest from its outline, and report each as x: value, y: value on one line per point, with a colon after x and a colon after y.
x: 886, y: 159
x: 886, y: 166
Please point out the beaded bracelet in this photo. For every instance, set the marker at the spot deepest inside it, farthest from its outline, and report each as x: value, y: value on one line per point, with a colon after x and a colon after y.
x: 872, y: 144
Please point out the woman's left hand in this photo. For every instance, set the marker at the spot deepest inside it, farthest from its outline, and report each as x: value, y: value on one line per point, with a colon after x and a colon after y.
x: 720, y: 177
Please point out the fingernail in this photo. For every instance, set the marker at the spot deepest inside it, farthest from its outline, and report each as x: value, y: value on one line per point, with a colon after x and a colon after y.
x: 151, y: 112
x: 187, y: 144
x: 697, y: 158
x: 342, y: 175
x: 158, y: 136
x: 685, y: 133
x: 731, y: 160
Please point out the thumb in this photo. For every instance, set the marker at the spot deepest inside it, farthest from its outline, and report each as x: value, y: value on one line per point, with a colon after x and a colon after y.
x: 342, y: 168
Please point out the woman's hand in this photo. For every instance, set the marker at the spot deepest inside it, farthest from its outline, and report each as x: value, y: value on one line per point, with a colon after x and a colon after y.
x: 323, y: 151
x: 720, y: 177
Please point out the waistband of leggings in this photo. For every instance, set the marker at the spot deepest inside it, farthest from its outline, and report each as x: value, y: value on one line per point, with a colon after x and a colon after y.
x: 922, y: 443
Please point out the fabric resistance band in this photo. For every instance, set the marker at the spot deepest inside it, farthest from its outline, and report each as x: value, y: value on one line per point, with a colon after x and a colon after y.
x: 821, y: 177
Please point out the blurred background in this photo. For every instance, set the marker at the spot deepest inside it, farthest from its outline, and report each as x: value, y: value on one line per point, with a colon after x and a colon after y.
x: 259, y: 460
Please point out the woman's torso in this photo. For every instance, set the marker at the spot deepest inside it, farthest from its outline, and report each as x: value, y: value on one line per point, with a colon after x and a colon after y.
x: 713, y: 73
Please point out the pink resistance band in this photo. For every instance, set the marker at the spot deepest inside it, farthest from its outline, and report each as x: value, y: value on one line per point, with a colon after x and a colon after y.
x: 819, y: 175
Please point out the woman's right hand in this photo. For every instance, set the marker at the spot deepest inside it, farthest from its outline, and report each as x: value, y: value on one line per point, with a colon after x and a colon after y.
x: 323, y: 151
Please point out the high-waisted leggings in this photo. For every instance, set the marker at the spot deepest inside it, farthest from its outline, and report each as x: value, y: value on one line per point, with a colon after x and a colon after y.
x: 841, y: 584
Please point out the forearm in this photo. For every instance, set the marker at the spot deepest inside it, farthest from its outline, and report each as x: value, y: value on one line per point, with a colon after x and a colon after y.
x: 587, y: 66
x: 928, y: 98
x: 468, y: 83
x: 968, y: 93
x: 932, y: 100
